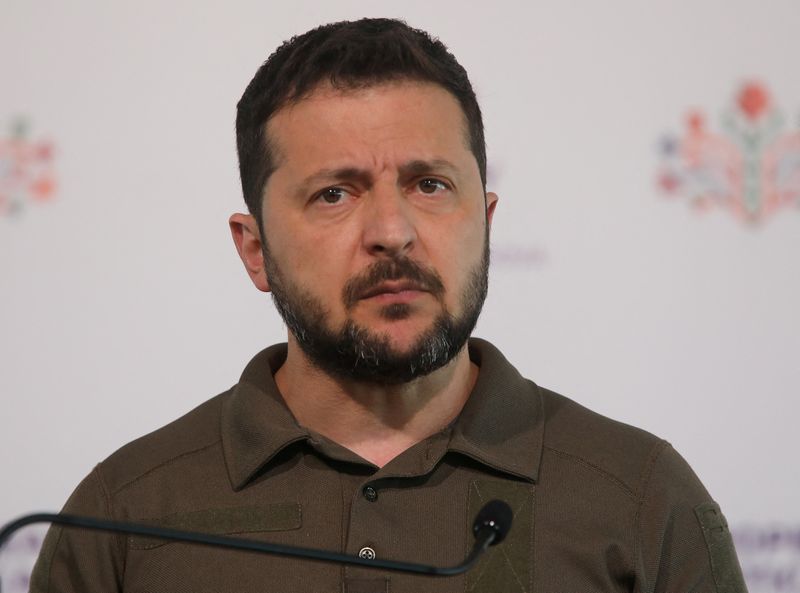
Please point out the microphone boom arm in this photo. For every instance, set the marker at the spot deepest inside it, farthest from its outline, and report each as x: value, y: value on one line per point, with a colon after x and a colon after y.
x: 487, y: 533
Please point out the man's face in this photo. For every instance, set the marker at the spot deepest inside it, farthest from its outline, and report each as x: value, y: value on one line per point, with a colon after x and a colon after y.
x: 375, y: 229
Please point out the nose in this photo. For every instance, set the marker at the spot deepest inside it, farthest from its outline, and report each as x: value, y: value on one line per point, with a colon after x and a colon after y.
x: 389, y: 228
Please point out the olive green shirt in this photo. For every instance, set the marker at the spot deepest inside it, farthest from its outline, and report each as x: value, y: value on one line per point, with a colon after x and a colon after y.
x: 598, y: 505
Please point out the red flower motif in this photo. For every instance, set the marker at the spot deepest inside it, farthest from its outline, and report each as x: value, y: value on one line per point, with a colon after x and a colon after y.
x: 668, y: 182
x: 43, y: 188
x: 695, y: 121
x: 753, y: 100
x: 44, y: 151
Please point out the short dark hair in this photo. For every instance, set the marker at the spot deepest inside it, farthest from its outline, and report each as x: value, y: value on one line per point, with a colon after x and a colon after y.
x: 347, y: 55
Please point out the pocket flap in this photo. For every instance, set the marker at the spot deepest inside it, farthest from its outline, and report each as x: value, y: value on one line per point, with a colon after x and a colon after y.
x: 224, y: 521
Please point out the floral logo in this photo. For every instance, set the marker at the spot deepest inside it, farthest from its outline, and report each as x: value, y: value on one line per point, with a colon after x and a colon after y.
x: 26, y: 170
x: 751, y: 169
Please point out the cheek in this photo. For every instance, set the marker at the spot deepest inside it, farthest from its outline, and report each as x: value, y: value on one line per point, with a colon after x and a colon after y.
x: 460, y: 252
x: 317, y: 260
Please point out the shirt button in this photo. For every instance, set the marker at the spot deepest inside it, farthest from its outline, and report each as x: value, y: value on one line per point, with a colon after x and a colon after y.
x: 370, y: 494
x: 366, y: 553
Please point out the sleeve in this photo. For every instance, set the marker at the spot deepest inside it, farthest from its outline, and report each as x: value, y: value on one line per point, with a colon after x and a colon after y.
x: 74, y: 560
x: 684, y: 544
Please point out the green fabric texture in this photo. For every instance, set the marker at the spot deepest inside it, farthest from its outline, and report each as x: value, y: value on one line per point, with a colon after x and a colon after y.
x: 270, y: 517
x: 380, y: 585
x: 725, y: 567
x: 505, y: 567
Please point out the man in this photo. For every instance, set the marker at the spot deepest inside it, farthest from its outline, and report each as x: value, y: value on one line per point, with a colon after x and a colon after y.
x: 379, y: 429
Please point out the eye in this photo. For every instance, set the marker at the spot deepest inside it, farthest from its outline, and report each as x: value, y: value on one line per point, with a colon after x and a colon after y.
x: 431, y: 186
x: 332, y: 195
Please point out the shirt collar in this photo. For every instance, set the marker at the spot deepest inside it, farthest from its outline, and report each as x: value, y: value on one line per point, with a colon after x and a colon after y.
x: 501, y: 425
x: 256, y: 424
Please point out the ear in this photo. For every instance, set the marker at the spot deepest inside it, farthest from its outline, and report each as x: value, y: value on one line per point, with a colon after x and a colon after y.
x: 491, y: 204
x: 247, y: 239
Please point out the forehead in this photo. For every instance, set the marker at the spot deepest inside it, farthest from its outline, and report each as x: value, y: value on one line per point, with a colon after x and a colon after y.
x: 385, y: 120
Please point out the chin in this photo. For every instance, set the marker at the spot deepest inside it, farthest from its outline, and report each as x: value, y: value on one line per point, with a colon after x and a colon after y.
x: 402, y: 336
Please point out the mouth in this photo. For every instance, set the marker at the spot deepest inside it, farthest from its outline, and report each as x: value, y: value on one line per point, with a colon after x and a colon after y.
x: 394, y: 289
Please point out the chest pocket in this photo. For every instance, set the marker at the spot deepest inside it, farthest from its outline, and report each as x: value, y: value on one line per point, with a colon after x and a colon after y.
x: 507, y: 567
x: 224, y: 521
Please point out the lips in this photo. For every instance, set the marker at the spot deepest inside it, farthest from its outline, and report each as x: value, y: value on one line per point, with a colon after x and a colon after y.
x: 393, y: 287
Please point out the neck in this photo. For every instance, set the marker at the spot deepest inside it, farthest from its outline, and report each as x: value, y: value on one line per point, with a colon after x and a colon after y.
x: 378, y: 422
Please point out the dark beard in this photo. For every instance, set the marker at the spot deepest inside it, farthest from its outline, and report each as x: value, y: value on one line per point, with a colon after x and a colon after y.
x: 354, y: 352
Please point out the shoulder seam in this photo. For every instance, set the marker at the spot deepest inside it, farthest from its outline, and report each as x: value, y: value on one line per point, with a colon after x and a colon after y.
x: 163, y: 464
x: 606, y: 475
x: 52, y: 557
x: 121, y: 548
x: 103, y: 490
x: 647, y: 473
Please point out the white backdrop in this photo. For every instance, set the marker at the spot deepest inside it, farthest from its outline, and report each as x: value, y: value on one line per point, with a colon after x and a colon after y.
x: 124, y: 304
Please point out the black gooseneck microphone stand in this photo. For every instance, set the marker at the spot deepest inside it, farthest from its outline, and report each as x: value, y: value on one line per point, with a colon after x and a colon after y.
x: 490, y: 528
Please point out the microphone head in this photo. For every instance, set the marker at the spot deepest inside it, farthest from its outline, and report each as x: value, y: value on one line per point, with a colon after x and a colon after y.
x: 495, y: 515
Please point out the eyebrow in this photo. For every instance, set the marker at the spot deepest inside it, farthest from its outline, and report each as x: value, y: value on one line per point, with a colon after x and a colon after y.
x: 364, y: 177
x: 342, y: 173
x: 421, y: 167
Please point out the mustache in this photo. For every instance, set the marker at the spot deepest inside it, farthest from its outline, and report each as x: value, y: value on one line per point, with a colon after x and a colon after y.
x: 401, y: 268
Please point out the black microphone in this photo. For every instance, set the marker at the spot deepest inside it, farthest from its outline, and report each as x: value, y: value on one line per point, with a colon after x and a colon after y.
x: 495, y: 516
x: 491, y: 526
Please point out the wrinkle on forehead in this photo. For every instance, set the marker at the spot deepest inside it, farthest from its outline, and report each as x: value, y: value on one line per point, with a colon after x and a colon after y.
x: 326, y: 91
